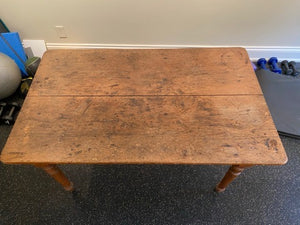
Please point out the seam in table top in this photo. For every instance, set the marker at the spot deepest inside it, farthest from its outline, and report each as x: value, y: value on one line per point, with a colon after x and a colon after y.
x: 94, y: 95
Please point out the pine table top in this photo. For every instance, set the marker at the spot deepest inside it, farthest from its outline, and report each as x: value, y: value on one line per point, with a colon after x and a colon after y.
x: 166, y: 106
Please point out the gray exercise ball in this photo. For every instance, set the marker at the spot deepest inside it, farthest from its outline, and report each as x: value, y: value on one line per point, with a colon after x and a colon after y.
x: 10, y: 76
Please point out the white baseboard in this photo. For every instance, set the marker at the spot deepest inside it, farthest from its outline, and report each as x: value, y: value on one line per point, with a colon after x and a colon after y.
x: 255, y: 52
x: 282, y: 53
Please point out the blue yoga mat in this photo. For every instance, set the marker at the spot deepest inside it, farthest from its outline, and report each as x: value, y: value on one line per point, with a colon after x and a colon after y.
x: 12, y: 47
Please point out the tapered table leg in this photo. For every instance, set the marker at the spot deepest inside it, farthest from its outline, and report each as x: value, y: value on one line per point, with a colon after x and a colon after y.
x: 57, y: 174
x: 232, y: 173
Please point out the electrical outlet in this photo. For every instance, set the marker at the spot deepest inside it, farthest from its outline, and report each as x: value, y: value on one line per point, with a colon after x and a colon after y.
x: 61, y: 32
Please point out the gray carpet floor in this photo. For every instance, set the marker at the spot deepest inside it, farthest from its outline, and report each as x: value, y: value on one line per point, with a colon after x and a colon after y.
x: 151, y: 194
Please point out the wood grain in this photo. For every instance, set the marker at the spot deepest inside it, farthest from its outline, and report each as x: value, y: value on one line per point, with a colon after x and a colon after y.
x: 187, y: 106
x: 201, y: 71
x: 152, y: 129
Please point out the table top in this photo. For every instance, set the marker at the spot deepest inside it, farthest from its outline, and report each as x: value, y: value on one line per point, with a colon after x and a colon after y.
x: 169, y: 106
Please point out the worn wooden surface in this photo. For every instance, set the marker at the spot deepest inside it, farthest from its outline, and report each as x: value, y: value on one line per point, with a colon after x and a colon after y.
x: 146, y: 72
x: 190, y: 106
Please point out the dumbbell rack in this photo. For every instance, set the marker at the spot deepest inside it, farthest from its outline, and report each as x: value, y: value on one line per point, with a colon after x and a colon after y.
x: 287, y: 68
x: 8, y: 112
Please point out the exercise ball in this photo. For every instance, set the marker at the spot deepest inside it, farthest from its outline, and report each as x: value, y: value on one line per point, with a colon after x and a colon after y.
x: 10, y: 76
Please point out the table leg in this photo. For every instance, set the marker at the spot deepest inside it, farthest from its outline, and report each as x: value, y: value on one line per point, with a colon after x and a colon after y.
x: 232, y: 173
x: 57, y: 174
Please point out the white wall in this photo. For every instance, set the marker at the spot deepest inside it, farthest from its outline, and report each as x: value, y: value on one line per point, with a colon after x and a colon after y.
x: 158, y: 22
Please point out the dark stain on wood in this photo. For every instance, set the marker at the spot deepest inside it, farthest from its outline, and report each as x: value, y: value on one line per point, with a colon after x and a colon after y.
x: 271, y: 144
x: 16, y: 153
x: 226, y: 145
x: 184, y: 153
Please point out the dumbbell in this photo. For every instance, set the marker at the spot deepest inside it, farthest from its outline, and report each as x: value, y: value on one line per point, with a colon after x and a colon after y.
x: 273, y: 64
x: 9, y: 117
x: 2, y: 108
x: 292, y: 66
x: 285, y: 68
x: 261, y: 63
x: 24, y: 87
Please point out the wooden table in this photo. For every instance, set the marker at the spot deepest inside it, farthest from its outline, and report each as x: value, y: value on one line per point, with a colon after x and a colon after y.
x: 158, y: 106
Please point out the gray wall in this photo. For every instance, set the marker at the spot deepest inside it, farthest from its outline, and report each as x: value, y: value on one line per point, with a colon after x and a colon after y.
x: 157, y: 22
